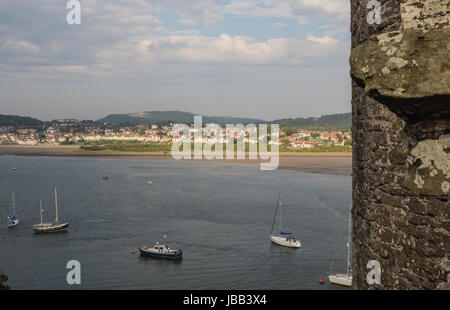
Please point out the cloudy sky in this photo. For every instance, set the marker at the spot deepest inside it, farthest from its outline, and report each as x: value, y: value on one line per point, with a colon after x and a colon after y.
x: 257, y: 58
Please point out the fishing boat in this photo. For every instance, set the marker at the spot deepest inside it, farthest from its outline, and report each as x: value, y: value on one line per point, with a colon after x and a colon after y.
x: 50, y: 227
x: 14, y: 220
x: 160, y: 250
x: 285, y: 239
x: 344, y: 279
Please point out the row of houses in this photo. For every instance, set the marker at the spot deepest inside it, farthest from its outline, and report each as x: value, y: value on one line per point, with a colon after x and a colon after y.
x: 309, y: 139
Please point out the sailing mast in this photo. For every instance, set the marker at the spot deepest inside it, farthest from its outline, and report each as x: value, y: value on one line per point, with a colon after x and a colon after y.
x: 276, y: 210
x: 280, y: 214
x: 40, y: 208
x: 56, y: 207
x: 13, y: 204
x: 348, y: 243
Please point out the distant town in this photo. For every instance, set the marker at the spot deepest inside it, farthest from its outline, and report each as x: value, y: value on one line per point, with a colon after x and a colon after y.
x: 90, y: 133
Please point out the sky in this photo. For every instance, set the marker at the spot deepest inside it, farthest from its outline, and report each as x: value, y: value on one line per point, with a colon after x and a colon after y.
x: 265, y: 59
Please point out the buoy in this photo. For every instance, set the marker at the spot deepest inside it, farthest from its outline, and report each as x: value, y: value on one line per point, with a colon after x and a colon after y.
x: 76, y: 229
x: 321, y: 281
x: 131, y: 252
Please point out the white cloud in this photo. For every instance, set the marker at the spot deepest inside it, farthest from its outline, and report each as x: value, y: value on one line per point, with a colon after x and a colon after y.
x: 207, y: 12
x: 127, y: 36
x: 223, y: 49
x: 326, y: 40
x: 302, y: 10
x: 187, y: 22
x: 278, y: 25
x: 20, y: 46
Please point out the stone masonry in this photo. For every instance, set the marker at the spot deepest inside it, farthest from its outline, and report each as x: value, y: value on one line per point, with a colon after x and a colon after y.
x: 401, y: 143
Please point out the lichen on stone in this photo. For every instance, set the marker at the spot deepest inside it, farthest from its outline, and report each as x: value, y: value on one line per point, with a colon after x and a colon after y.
x: 425, y: 15
x: 406, y: 65
x: 429, y: 167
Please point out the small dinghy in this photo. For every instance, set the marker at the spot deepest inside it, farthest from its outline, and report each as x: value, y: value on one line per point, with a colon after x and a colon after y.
x: 106, y: 177
x: 159, y: 250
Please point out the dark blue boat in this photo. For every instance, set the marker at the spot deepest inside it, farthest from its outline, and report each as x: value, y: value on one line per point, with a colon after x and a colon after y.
x: 159, y: 250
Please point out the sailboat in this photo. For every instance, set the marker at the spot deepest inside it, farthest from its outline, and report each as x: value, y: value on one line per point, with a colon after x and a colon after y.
x: 50, y: 227
x: 344, y: 279
x: 284, y: 238
x: 14, y: 220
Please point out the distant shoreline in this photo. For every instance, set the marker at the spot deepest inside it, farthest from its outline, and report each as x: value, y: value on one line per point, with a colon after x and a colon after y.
x: 334, y: 163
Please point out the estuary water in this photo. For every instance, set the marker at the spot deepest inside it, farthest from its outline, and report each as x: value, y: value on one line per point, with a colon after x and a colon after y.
x: 220, y: 214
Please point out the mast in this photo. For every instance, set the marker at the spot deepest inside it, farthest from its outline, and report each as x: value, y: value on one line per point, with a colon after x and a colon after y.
x: 348, y: 242
x: 280, y: 214
x: 56, y: 207
x: 13, y: 204
x: 276, y: 211
x: 40, y: 208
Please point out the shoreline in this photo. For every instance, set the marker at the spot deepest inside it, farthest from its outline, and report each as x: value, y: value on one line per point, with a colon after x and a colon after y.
x: 333, y: 163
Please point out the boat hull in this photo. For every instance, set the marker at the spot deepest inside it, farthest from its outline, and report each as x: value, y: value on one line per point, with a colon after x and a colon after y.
x: 13, y: 223
x: 56, y: 228
x: 143, y: 252
x: 341, y: 279
x: 286, y: 243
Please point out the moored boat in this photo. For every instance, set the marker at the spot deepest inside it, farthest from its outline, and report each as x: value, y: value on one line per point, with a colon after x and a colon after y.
x: 284, y: 238
x: 286, y: 241
x: 50, y: 227
x: 160, y: 250
x: 344, y: 279
x: 341, y: 279
x: 14, y: 220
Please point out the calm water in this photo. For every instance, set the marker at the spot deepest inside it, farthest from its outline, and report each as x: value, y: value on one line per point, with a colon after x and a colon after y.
x: 219, y: 214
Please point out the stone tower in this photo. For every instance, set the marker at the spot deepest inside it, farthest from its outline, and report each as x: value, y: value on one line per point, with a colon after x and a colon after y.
x: 401, y: 147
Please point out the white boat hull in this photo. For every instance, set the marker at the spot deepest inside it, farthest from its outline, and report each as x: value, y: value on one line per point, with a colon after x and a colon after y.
x: 50, y: 227
x: 13, y: 223
x: 286, y: 243
x: 341, y: 279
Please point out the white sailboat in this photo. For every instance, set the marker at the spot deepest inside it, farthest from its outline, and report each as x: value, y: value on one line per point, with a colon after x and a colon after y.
x: 344, y: 279
x: 14, y: 220
x: 284, y: 238
x: 50, y: 227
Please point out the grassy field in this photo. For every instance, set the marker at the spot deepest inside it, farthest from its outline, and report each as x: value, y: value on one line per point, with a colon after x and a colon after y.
x: 135, y: 146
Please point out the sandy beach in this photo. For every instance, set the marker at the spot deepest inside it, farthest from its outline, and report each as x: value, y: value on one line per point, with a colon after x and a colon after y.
x: 322, y: 163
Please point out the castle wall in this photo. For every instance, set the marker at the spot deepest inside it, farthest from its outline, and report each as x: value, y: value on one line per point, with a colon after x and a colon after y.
x: 401, y: 143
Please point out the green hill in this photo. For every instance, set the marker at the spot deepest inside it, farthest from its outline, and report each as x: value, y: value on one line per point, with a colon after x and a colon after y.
x: 157, y: 117
x: 19, y: 121
x: 332, y: 121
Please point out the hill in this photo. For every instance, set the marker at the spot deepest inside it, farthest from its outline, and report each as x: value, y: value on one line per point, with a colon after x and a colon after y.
x: 158, y: 117
x: 332, y: 121
x: 19, y: 121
